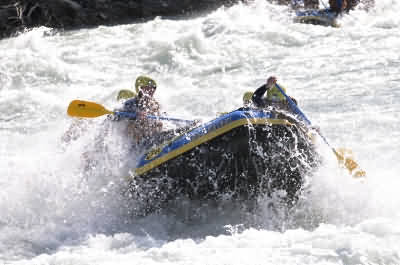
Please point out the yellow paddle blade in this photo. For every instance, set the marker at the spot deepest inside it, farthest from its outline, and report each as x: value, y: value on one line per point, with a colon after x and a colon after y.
x: 86, y: 109
x: 345, y: 158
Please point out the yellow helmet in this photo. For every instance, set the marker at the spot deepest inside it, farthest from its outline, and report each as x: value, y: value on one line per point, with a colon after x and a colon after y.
x: 142, y: 81
x: 125, y: 94
x: 247, y: 97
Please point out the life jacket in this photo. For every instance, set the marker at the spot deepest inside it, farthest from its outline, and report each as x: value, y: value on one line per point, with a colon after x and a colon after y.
x: 130, y: 105
x: 275, y: 95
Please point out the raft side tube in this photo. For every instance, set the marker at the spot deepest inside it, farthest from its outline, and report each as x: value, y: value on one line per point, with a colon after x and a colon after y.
x: 202, y: 134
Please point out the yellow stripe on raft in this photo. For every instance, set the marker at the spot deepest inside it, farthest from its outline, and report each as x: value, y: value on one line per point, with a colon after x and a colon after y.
x: 206, y: 138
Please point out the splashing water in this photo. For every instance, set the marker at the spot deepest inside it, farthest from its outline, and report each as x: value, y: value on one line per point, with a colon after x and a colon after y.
x: 345, y: 79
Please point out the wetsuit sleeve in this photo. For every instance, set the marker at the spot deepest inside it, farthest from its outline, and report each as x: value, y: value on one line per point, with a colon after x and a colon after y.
x: 258, y: 94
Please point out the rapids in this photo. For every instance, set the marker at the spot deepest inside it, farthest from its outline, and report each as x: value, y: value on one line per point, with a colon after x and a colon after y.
x: 345, y: 79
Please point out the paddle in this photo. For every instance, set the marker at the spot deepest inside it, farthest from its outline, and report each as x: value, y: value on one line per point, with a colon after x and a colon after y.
x: 341, y: 155
x: 87, y: 109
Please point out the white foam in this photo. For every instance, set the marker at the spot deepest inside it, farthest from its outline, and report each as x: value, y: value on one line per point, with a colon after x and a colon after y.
x: 345, y: 80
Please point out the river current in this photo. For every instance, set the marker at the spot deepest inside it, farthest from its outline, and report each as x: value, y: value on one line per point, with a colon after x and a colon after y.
x: 345, y: 79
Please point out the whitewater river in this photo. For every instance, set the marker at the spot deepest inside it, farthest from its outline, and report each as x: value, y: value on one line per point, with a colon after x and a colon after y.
x: 346, y: 81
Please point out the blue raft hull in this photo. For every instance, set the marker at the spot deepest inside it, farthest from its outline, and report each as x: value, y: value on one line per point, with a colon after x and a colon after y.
x: 242, y: 154
x: 322, y: 17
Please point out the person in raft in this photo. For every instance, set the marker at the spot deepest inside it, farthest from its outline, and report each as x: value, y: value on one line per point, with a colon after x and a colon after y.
x: 143, y: 104
x: 274, y: 96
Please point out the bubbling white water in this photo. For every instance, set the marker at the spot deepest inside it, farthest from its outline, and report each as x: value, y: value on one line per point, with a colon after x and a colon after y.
x: 345, y: 80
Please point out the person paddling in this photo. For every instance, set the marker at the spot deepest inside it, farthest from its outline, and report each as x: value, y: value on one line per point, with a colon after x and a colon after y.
x: 274, y: 97
x: 143, y: 104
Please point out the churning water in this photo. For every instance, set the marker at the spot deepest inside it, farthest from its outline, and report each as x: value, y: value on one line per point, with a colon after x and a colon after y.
x: 345, y: 79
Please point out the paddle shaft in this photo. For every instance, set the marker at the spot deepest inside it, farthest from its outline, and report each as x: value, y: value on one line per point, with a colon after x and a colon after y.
x: 303, y: 116
x: 294, y: 106
x: 168, y: 119
x: 87, y: 109
x: 349, y: 163
x: 132, y: 115
x: 125, y: 114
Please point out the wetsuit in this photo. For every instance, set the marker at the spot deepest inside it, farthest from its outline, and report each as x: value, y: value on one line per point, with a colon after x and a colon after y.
x: 257, y: 97
x: 274, y: 98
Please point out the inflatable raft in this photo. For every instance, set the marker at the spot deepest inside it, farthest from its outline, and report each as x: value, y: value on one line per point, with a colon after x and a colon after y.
x: 241, y: 154
x: 322, y: 17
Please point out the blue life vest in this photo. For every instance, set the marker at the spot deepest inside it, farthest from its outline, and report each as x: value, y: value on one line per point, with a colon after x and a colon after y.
x: 130, y: 105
